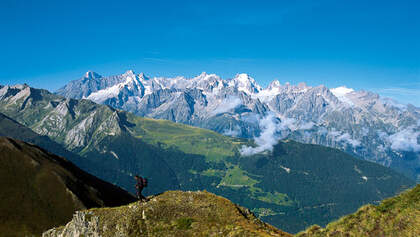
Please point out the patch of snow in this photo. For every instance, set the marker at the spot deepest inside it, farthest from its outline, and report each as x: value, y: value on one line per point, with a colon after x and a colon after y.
x: 243, y: 82
x: 357, y: 169
x: 270, y: 92
x: 102, y: 95
x: 286, y: 169
x: 114, y: 154
x: 341, y: 92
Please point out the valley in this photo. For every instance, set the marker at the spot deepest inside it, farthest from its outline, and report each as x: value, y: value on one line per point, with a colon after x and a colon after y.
x: 115, y: 145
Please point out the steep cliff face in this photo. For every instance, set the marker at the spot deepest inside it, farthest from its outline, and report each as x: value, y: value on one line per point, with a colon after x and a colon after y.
x: 172, y: 213
x: 40, y: 190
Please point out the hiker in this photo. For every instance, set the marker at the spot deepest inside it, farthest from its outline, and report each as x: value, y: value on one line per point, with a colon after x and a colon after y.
x: 140, y: 184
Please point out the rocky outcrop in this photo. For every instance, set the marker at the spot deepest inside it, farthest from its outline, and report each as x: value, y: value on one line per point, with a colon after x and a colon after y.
x: 173, y: 213
x: 82, y: 224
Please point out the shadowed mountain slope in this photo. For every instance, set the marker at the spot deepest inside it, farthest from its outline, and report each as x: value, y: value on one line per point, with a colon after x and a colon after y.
x: 40, y: 190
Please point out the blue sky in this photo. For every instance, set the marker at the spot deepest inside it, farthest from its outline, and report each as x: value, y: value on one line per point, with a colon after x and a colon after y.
x: 372, y: 45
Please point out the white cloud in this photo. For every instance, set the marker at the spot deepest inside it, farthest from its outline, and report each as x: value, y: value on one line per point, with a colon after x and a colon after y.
x: 405, y: 140
x: 347, y: 138
x: 288, y: 123
x: 333, y: 133
x: 267, y: 138
x: 306, y: 125
x: 227, y: 105
x: 251, y: 118
x: 234, y: 132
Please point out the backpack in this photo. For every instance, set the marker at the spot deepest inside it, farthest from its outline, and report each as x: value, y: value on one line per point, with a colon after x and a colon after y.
x: 144, y: 182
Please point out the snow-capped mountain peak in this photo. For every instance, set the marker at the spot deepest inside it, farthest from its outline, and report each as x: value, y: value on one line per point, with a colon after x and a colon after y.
x: 201, y: 76
x: 273, y: 85
x: 128, y: 73
x: 267, y: 94
x: 91, y: 74
x: 243, y: 82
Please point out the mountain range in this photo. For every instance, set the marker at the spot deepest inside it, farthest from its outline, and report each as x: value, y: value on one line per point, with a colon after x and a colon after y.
x: 115, y: 145
x: 358, y: 122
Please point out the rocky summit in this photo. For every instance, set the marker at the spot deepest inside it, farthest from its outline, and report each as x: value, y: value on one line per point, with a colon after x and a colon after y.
x: 359, y: 122
x: 173, y: 213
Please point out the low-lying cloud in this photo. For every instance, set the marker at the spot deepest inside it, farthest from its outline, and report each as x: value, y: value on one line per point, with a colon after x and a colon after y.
x: 267, y: 139
x: 348, y: 139
x: 272, y: 131
x: 227, y: 105
x: 338, y: 136
x: 405, y: 140
x: 233, y: 132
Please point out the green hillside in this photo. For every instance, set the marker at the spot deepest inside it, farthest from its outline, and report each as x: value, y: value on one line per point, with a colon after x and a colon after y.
x: 188, y: 139
x: 397, y: 216
x: 116, y: 145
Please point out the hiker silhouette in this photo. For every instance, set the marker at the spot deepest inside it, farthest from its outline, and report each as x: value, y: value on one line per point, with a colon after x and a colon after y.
x: 140, y: 184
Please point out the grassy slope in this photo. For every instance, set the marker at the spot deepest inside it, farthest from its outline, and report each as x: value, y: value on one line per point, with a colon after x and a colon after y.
x: 176, y: 213
x: 40, y: 190
x: 188, y: 139
x: 397, y: 216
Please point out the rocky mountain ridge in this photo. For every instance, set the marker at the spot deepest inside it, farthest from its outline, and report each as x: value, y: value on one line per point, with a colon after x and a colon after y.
x: 358, y: 122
